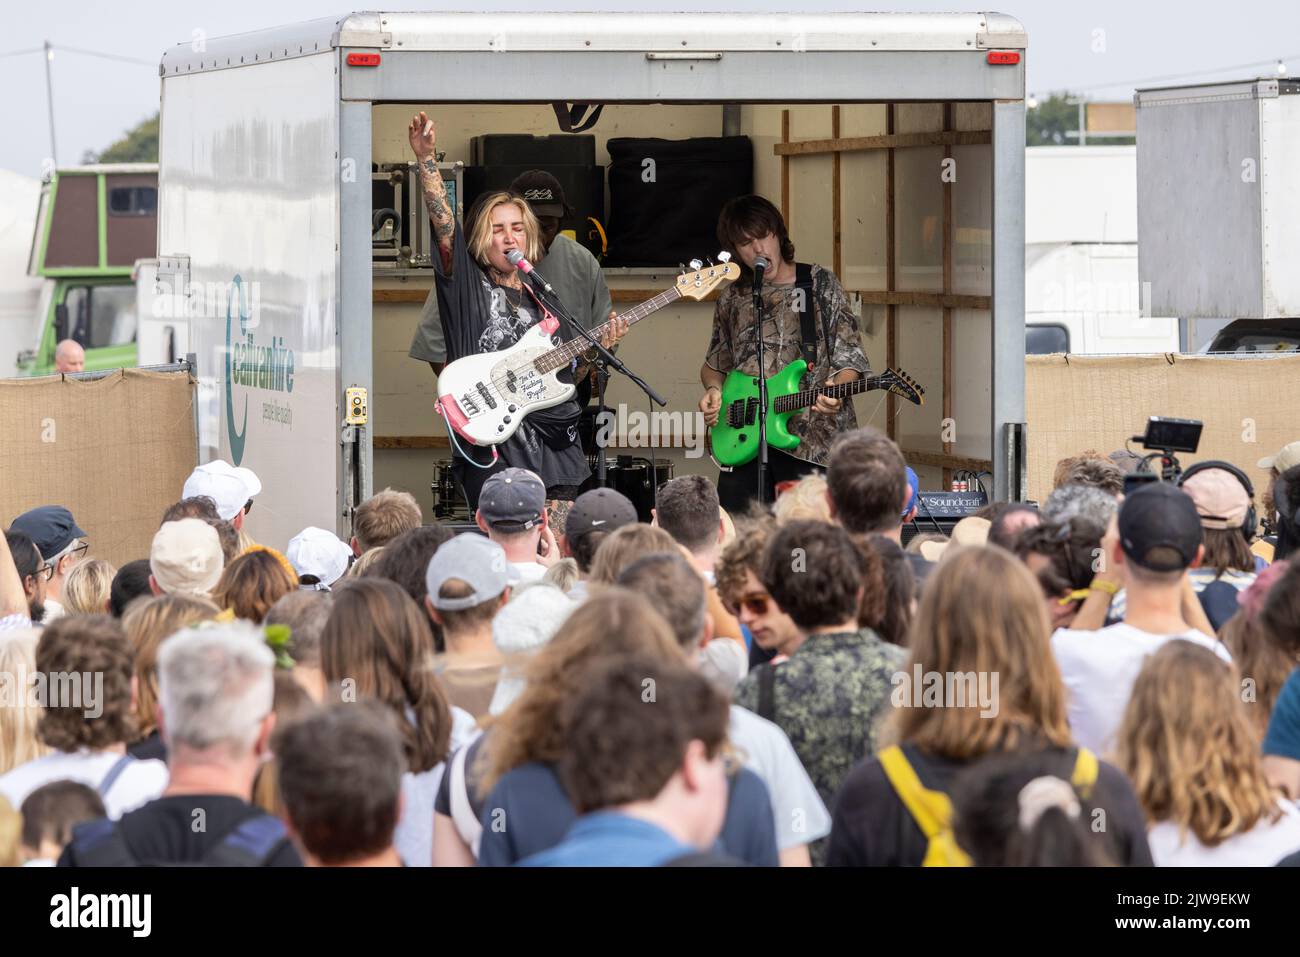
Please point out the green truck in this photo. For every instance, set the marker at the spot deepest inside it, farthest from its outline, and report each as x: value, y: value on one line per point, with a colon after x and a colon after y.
x: 93, y: 224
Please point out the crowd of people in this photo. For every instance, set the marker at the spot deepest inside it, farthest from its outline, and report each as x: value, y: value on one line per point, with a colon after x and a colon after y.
x: 1107, y: 679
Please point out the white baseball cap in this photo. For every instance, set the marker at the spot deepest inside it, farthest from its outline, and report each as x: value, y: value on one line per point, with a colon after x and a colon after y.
x: 319, y: 553
x: 229, y: 487
x: 185, y: 557
x: 1287, y: 457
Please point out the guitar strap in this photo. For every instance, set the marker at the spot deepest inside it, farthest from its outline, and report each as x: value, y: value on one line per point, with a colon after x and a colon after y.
x: 807, y: 324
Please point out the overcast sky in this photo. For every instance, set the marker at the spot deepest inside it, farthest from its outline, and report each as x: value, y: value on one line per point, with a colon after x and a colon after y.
x: 1101, y: 46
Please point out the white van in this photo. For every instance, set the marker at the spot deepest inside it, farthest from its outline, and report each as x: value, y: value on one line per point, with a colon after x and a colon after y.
x: 1081, y: 255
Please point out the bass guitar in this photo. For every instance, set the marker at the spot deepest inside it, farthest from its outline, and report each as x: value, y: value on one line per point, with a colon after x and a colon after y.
x: 484, y: 397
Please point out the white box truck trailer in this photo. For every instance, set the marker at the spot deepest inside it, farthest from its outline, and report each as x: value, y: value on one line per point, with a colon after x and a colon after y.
x: 894, y: 143
x: 1218, y: 213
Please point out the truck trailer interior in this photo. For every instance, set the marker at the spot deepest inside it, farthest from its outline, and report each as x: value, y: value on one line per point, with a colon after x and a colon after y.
x: 896, y: 198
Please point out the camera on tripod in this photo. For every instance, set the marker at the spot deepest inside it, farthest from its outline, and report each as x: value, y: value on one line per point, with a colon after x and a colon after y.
x: 1163, y: 438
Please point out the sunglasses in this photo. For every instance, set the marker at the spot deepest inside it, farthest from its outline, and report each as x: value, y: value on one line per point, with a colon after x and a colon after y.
x: 1064, y: 537
x: 754, y: 604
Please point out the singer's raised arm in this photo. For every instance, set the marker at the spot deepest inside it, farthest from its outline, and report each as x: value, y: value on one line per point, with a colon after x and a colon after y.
x: 423, y: 137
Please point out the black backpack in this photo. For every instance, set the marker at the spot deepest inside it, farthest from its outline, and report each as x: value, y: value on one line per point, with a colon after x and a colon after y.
x: 100, y: 843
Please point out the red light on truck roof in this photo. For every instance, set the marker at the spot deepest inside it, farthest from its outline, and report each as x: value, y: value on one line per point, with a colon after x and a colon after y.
x: 1003, y: 57
x: 363, y: 59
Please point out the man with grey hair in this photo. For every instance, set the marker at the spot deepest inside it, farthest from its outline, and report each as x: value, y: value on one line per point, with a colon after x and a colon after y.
x: 1084, y: 501
x: 215, y: 694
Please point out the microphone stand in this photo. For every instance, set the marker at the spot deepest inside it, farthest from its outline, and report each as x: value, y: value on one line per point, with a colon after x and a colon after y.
x: 604, y: 361
x: 762, y: 387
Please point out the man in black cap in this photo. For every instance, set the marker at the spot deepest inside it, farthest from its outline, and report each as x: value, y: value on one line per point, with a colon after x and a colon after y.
x: 1155, y: 538
x: 512, y: 512
x: 596, y: 514
x: 58, y: 537
x: 570, y: 269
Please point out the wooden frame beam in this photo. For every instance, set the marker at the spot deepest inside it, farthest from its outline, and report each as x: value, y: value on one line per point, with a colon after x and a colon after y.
x: 785, y: 168
x: 411, y: 442
x: 418, y: 296
x: 836, y: 214
x: 945, y: 461
x: 399, y: 295
x: 890, y: 141
x: 938, y: 300
x: 947, y: 230
x: 891, y: 279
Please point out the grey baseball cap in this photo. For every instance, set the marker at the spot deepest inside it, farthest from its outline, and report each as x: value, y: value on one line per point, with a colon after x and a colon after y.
x: 513, y: 499
x: 475, y: 560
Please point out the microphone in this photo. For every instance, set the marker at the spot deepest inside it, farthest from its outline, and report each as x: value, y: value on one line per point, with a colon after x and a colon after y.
x: 516, y: 259
x: 760, y: 266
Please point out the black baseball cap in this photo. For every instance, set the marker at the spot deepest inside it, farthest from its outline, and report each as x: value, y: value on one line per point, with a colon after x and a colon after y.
x: 51, y: 527
x: 1159, y: 528
x: 543, y: 191
x: 599, y: 510
x: 513, y: 499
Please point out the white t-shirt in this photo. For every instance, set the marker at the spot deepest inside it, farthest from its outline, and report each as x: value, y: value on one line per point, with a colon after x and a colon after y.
x: 53, y: 610
x: 1262, y: 846
x: 413, y: 837
x: 797, y: 809
x: 139, y: 783
x: 1099, y: 668
x: 529, y: 571
x: 725, y: 662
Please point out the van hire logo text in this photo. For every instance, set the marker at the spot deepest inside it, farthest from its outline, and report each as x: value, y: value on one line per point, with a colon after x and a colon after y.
x: 134, y: 911
x: 251, y: 364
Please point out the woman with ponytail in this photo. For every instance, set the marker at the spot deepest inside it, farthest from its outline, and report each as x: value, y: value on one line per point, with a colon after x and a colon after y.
x: 378, y: 644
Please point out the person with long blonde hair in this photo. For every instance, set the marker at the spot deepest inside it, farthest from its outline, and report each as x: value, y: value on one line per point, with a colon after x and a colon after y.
x: 486, y: 306
x: 980, y: 681
x: 19, y: 742
x: 1193, y: 756
x: 517, y: 764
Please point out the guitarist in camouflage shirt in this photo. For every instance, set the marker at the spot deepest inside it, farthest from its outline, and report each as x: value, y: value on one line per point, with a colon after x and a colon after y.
x: 750, y: 226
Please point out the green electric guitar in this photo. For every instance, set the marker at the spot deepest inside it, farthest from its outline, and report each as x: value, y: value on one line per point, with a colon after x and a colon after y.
x: 735, y: 438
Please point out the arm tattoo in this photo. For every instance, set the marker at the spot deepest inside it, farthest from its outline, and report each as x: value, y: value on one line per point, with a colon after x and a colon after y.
x: 440, y: 213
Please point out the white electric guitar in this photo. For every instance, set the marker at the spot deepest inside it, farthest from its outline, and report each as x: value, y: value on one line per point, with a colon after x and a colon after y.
x: 484, y: 397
